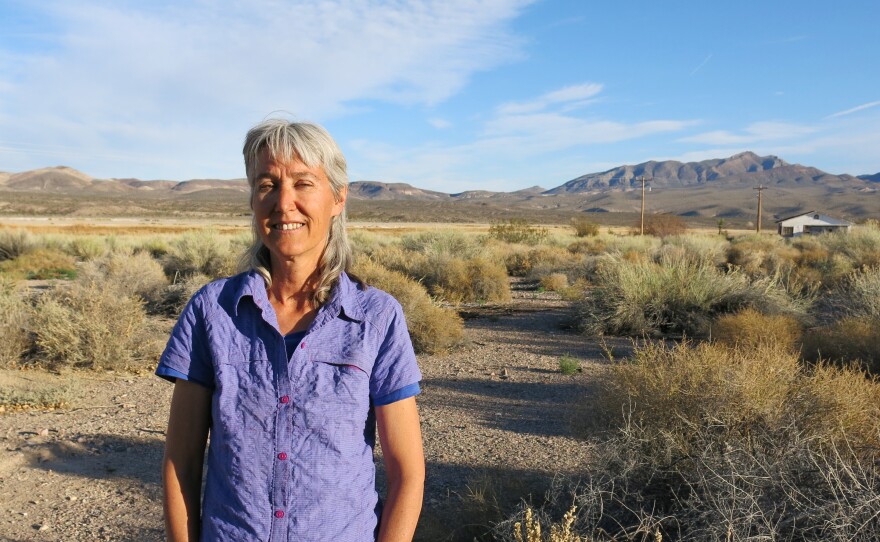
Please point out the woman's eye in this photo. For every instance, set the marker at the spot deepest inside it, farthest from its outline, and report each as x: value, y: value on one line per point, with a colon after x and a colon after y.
x: 265, y: 187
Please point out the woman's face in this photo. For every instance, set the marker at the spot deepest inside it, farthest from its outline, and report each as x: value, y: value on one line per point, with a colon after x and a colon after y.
x: 293, y: 206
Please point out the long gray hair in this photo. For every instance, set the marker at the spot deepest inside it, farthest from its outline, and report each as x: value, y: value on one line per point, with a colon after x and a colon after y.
x: 312, y: 145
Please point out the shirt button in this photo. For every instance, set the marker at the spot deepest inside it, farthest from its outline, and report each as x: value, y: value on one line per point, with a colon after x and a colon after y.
x: 284, y: 399
x: 302, y: 345
x: 279, y: 514
x: 282, y: 456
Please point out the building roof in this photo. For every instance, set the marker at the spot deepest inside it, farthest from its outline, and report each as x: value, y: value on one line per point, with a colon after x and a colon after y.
x: 813, y: 213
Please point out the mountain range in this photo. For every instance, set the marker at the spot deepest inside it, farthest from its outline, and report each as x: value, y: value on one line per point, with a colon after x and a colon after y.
x: 709, y: 188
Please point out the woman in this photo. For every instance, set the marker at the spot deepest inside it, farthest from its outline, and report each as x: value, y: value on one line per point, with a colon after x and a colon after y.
x: 291, y: 366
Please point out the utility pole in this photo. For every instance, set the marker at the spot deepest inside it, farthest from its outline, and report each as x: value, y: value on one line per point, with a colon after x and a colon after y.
x: 759, y: 188
x: 642, y: 222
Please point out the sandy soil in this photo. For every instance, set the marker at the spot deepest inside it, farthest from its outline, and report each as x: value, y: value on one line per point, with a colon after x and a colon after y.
x: 497, y: 409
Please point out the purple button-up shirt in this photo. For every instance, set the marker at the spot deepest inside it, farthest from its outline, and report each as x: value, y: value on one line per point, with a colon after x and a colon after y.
x: 291, y: 447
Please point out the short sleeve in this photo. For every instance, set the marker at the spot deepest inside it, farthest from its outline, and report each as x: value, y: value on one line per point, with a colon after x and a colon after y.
x: 187, y: 355
x: 395, y: 366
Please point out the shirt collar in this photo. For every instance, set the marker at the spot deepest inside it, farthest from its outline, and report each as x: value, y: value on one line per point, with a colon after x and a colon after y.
x: 344, y: 297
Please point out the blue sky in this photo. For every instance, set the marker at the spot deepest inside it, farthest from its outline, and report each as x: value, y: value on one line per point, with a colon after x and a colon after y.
x: 448, y: 95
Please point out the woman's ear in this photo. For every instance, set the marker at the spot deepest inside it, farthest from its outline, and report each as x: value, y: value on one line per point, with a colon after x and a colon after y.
x: 339, y: 206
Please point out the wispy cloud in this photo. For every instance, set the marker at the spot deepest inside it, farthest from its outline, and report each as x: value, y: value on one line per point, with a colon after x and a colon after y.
x: 855, y: 109
x: 438, y: 123
x: 139, y: 75
x: 574, y: 95
x: 703, y: 63
x: 754, y: 133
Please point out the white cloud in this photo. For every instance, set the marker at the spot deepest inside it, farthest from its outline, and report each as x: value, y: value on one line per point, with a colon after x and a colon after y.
x: 853, y: 110
x: 438, y: 123
x: 754, y: 133
x: 166, y: 77
x: 575, y: 94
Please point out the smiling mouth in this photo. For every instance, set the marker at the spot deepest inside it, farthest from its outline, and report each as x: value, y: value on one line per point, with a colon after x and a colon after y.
x: 287, y: 226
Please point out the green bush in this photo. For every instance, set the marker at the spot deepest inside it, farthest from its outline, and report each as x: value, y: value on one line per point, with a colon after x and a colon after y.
x: 40, y: 264
x: 432, y: 328
x: 518, y: 231
x: 584, y: 227
x: 14, y: 243
x: 569, y: 365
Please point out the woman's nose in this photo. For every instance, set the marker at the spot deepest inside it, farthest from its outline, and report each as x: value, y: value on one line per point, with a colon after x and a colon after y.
x: 286, y: 197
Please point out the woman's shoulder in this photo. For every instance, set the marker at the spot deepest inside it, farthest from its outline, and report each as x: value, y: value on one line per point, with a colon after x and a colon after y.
x: 376, y: 304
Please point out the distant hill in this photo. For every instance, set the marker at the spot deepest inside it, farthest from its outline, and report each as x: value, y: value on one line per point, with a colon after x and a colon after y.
x: 743, y: 168
x: 705, y: 190
x: 391, y: 191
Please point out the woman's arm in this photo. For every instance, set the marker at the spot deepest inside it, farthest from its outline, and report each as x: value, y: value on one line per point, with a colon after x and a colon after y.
x: 184, y: 453
x: 401, y: 439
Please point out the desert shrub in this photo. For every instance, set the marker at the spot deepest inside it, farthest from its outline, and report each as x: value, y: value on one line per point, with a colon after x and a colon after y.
x: 202, y: 252
x: 522, y: 261
x: 432, y: 328
x: 755, y: 254
x: 128, y: 273
x: 591, y: 246
x: 554, y: 282
x: 86, y: 248
x: 84, y: 324
x: 674, y: 296
x: 640, y: 244
x: 14, y: 316
x: 750, y: 328
x: 14, y: 243
x: 860, y: 246
x: 438, y: 243
x: 664, y: 225
x: 518, y: 231
x: 584, y: 227
x: 476, y: 280
x: 849, y: 340
x: 707, y: 442
x: 859, y: 294
x: 39, y: 264
x: 176, y: 295
x: 569, y: 365
x: 710, y: 248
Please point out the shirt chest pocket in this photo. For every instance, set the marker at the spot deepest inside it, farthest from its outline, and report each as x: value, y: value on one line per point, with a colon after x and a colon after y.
x: 338, y: 379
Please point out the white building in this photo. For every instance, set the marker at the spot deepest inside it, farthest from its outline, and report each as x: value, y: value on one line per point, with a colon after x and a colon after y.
x: 810, y: 223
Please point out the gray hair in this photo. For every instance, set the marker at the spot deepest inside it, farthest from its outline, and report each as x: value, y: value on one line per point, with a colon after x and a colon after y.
x: 312, y: 145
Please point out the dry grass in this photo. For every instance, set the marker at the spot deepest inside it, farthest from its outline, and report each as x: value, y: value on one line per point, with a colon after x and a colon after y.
x: 85, y: 324
x: 432, y: 328
x: 750, y: 328
x: 554, y: 282
x: 38, y: 264
x: 204, y: 252
x: 709, y: 442
x: 14, y: 243
x: 23, y: 390
x: 675, y: 295
x: 850, y: 340
x: 128, y: 274
x: 449, y: 265
x: 14, y: 316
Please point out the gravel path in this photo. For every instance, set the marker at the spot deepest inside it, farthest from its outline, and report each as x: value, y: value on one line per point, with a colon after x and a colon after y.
x: 495, y: 414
